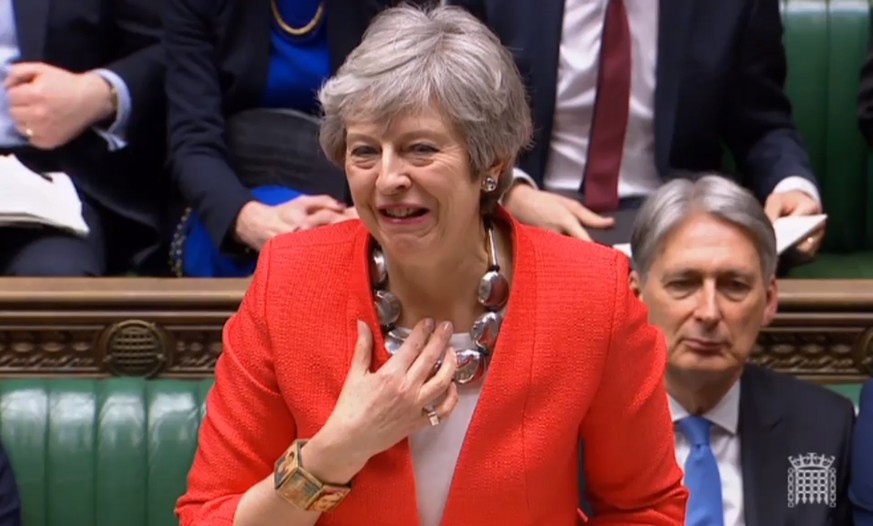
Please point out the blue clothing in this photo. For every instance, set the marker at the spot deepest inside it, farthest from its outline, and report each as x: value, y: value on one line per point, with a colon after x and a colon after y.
x: 861, y: 487
x: 9, y: 136
x: 298, y: 65
x: 701, y: 475
x: 9, y: 54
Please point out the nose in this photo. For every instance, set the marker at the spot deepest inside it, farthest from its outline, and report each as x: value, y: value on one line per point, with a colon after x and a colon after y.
x: 707, y: 309
x: 393, y: 173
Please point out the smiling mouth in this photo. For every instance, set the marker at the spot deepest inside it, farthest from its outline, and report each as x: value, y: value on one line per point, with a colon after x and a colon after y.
x: 402, y: 213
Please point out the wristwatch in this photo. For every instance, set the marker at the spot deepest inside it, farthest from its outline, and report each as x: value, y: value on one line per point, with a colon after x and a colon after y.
x: 300, y: 488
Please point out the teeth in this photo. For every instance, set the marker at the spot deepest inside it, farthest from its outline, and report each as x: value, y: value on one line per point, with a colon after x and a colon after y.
x: 400, y: 212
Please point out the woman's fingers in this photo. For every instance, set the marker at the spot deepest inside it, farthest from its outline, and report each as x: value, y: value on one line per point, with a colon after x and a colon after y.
x: 422, y: 368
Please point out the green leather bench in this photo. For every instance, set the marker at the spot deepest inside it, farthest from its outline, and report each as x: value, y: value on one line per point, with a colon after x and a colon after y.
x: 112, y: 452
x: 826, y: 44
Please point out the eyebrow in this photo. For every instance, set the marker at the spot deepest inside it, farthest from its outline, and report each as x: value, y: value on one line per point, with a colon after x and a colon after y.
x: 410, y: 135
x: 689, y: 272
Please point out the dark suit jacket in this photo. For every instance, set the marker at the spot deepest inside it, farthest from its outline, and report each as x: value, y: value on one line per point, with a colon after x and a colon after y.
x: 122, y: 36
x: 782, y: 417
x: 720, y: 75
x: 10, y: 505
x: 218, y: 60
x: 861, y: 490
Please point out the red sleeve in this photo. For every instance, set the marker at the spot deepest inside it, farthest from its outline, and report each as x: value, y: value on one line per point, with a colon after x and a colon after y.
x: 630, y: 466
x: 248, y: 424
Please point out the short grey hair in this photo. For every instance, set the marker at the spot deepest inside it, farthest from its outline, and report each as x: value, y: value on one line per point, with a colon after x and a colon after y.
x: 413, y: 59
x: 711, y: 194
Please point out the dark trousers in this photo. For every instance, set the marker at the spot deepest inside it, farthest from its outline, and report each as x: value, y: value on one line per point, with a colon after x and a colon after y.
x: 46, y: 251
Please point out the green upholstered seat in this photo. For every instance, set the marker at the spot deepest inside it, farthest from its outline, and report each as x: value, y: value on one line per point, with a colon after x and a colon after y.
x: 109, y: 452
x: 101, y: 452
x: 826, y: 44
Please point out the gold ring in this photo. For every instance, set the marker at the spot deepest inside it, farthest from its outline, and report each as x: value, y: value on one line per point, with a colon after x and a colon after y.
x: 432, y: 416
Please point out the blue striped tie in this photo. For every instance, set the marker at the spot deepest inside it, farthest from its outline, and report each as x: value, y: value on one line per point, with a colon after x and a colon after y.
x: 701, y: 475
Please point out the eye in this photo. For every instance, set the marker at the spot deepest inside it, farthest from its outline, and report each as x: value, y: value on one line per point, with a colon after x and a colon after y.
x: 363, y: 151
x: 422, y: 148
x: 680, y: 285
x: 735, y: 288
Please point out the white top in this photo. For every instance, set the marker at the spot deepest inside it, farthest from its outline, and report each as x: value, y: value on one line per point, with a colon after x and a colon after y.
x: 725, y: 444
x: 435, y: 450
x: 578, y: 62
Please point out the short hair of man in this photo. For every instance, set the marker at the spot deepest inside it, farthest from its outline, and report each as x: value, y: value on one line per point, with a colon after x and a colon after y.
x: 711, y: 194
x: 413, y: 59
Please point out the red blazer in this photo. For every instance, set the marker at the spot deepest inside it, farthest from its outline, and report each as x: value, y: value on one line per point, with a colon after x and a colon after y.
x: 575, y: 361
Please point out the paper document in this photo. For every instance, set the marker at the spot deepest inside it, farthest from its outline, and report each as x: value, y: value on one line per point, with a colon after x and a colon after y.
x: 28, y: 198
x: 790, y: 230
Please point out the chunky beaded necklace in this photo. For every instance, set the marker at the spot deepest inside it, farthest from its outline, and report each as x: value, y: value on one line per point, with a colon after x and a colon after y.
x: 492, y: 294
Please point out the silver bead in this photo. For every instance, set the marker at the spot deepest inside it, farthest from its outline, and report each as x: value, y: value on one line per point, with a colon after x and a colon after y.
x: 493, y: 290
x: 378, y: 269
x: 470, y: 366
x: 387, y: 308
x: 485, y: 330
x: 394, y: 340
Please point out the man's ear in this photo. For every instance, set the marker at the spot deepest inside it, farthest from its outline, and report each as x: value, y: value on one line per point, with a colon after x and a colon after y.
x: 772, y: 302
x: 636, y: 284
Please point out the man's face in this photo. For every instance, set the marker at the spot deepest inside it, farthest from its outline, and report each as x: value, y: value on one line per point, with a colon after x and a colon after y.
x: 706, y: 291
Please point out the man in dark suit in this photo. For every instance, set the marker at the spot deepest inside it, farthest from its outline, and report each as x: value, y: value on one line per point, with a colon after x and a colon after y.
x: 625, y: 92
x: 758, y: 447
x: 861, y: 489
x: 82, y: 94
x: 10, y: 505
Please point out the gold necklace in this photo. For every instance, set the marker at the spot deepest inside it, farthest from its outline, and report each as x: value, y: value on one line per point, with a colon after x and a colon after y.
x: 294, y: 31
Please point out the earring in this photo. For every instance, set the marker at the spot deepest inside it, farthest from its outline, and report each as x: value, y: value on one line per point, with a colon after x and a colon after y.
x: 489, y: 184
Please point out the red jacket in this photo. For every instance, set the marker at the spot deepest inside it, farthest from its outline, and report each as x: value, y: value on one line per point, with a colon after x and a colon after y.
x: 575, y: 361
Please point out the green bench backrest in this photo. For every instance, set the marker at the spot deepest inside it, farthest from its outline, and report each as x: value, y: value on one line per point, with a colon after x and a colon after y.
x: 826, y: 44
x: 101, y: 452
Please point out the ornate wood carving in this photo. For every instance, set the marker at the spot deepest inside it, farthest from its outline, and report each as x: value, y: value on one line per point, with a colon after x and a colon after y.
x: 172, y: 327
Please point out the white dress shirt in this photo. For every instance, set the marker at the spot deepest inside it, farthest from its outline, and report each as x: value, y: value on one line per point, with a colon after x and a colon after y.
x: 435, y: 450
x: 578, y: 62
x: 725, y: 444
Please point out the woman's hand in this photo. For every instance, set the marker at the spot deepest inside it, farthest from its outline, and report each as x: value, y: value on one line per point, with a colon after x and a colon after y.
x: 377, y: 409
x: 553, y: 212
x: 257, y: 223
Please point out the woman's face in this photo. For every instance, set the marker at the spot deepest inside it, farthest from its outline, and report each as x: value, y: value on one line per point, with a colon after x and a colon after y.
x: 412, y: 186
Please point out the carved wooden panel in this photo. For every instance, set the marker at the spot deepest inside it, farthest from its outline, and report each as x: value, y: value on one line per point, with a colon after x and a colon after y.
x: 172, y: 328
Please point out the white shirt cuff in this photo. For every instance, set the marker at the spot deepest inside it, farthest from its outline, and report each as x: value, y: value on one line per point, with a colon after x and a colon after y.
x: 115, y: 135
x: 795, y: 182
x: 519, y: 176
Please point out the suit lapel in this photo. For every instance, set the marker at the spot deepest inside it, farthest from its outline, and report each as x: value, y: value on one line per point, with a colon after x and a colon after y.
x: 537, y: 57
x: 31, y: 23
x: 390, y: 471
x: 674, y: 23
x: 545, y: 47
x: 498, y: 413
x: 763, y: 452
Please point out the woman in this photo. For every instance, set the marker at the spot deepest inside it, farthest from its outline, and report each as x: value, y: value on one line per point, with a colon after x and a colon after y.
x: 352, y: 389
x: 861, y: 488
x: 226, y: 58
